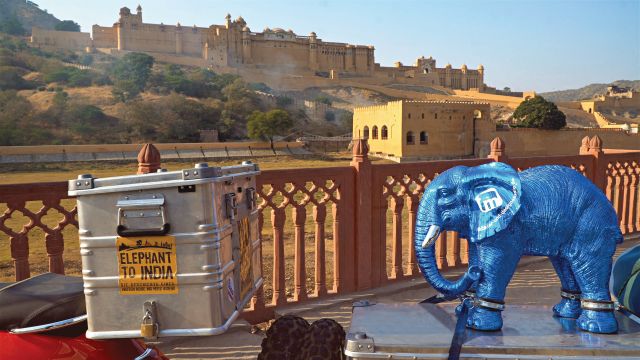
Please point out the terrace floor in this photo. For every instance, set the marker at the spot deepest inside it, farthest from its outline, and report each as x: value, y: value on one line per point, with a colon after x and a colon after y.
x: 535, y: 282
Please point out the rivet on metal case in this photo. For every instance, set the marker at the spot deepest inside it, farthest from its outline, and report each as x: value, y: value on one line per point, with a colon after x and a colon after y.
x: 83, y: 182
x: 360, y: 342
x: 201, y: 171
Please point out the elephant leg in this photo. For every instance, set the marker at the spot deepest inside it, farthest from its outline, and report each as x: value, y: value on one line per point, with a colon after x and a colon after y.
x: 593, y: 277
x: 569, y: 305
x: 498, y: 262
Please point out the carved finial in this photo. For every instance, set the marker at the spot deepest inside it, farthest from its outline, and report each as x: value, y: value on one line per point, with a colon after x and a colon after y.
x: 148, y: 159
x: 595, y: 144
x: 584, y: 146
x: 497, y: 146
x: 360, y: 147
x: 497, y: 152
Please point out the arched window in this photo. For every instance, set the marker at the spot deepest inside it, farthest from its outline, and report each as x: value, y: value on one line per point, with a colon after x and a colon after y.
x: 424, y: 137
x: 374, y: 132
x: 384, y: 133
x: 410, y: 138
x: 423, y: 115
x: 409, y: 116
x: 365, y: 134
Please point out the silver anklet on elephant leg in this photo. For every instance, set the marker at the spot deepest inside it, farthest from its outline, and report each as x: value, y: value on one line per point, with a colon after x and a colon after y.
x: 489, y: 304
x: 597, y: 305
x: 570, y: 295
x: 469, y: 294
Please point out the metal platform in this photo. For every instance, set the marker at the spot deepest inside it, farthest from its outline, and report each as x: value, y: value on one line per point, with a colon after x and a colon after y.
x: 424, y: 331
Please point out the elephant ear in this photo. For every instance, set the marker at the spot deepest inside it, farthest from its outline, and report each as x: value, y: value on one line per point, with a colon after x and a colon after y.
x: 494, y: 190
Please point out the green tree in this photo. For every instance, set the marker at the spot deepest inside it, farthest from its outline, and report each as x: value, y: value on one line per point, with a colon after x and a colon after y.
x: 539, y: 113
x: 264, y: 126
x: 67, y: 25
x: 130, y: 75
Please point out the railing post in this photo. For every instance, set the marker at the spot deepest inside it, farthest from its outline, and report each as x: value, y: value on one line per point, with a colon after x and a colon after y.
x: 599, y: 164
x: 148, y: 159
x: 497, y: 152
x: 363, y: 214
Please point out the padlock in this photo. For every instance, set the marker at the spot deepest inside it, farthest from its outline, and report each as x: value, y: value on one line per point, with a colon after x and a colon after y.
x: 148, y: 328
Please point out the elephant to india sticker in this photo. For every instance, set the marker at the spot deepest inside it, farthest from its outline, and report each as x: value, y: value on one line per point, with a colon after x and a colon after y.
x: 147, y: 265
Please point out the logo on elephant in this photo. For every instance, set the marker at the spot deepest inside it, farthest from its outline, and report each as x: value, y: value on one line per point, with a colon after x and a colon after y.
x: 489, y: 200
x: 494, y: 201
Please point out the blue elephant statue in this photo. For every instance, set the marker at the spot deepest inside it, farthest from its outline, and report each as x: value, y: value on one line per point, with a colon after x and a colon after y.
x: 549, y: 211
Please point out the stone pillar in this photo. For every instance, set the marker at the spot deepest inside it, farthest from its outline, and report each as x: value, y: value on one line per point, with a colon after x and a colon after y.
x: 363, y: 214
x: 148, y: 159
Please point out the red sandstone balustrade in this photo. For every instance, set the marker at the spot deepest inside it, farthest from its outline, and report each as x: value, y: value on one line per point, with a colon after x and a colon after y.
x: 364, y: 200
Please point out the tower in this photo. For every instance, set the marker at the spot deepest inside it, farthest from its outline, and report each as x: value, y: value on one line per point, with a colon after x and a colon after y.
x: 463, y: 78
x: 246, y: 45
x: 313, y: 51
x: 480, y: 77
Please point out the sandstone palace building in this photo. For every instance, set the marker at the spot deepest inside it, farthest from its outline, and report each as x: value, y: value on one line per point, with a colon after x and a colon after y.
x: 234, y: 46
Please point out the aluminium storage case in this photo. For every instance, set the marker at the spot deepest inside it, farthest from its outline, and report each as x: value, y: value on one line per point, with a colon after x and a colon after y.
x: 168, y: 253
x: 411, y: 331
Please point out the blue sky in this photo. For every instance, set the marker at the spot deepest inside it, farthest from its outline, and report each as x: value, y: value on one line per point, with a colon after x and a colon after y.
x: 539, y: 45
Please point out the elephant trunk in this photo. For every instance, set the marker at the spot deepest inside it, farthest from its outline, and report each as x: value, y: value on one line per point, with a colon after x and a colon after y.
x: 425, y: 235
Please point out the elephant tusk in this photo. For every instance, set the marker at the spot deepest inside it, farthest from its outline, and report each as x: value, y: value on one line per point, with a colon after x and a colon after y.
x: 432, y: 235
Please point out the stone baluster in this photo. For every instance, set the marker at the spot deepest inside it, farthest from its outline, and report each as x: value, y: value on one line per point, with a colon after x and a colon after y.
x: 397, y: 203
x: 279, y: 286
x: 319, y: 217
x: 299, y: 215
x: 257, y: 301
x: 453, y: 249
x: 441, y: 250
x: 412, y: 205
x: 336, y: 213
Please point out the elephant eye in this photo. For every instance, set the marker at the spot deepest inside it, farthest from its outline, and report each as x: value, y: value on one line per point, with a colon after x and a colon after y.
x: 443, y: 192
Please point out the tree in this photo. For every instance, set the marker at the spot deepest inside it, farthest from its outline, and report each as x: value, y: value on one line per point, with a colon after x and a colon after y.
x: 507, y: 89
x: 67, y: 25
x: 264, y: 126
x: 539, y: 113
x: 130, y: 75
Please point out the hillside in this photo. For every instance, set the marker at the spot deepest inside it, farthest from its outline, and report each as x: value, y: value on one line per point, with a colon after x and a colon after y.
x: 587, y: 92
x: 28, y: 13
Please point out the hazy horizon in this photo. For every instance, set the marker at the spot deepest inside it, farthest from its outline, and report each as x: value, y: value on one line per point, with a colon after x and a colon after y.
x: 527, y: 45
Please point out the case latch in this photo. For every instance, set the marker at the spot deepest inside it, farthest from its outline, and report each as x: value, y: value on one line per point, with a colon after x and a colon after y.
x: 231, y: 205
x: 250, y: 193
x: 149, y: 324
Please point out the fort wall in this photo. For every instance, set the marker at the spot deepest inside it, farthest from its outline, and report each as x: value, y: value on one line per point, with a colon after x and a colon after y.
x: 67, y: 40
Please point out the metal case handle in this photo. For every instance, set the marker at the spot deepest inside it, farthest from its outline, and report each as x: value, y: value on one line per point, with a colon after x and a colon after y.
x: 131, y: 202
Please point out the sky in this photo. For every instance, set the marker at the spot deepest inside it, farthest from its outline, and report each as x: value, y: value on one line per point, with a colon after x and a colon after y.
x: 541, y: 45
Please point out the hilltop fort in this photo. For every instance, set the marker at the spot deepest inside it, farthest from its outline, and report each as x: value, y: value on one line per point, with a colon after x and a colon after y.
x: 234, y: 47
